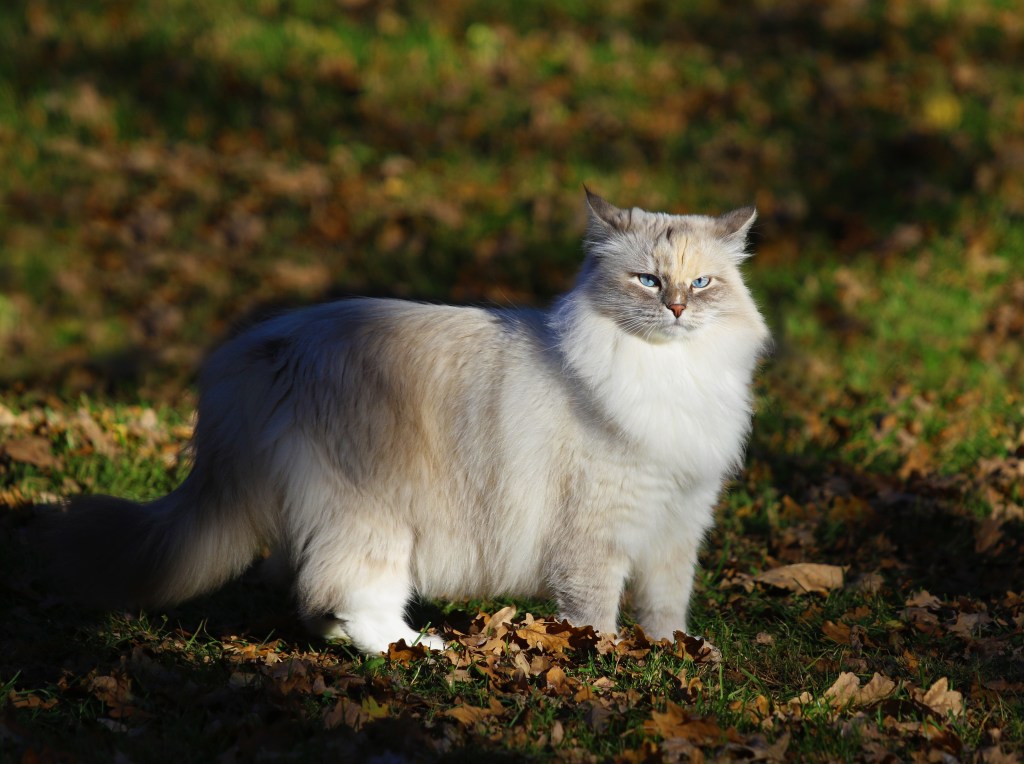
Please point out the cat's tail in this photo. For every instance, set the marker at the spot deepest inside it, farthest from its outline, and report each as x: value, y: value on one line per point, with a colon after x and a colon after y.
x: 112, y: 552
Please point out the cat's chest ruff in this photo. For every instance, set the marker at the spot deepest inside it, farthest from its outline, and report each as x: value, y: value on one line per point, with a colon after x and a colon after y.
x: 682, y: 405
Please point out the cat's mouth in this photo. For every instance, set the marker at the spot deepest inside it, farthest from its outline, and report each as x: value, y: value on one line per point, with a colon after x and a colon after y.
x: 677, y: 329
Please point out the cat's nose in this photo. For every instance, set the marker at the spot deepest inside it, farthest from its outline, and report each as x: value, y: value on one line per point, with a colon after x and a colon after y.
x: 677, y: 309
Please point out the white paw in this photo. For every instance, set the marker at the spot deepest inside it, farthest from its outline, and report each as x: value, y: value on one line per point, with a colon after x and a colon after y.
x: 431, y: 641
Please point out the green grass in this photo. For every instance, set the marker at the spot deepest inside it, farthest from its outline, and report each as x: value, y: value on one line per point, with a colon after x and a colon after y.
x: 175, y: 170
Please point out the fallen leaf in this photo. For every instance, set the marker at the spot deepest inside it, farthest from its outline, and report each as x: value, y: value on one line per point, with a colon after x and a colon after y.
x: 844, y: 690
x: 837, y: 632
x: 803, y: 577
x: 869, y: 583
x: 675, y: 722
x: 996, y: 755
x: 101, y: 441
x: 537, y: 637
x: 33, y: 450
x: 757, y: 749
x: 28, y: 700
x: 557, y: 733
x: 399, y: 652
x: 988, y: 534
x: 924, y: 600
x: 467, y: 714
x: 697, y: 649
x: 967, y: 623
x: 502, y: 618
x: 941, y: 699
x: 754, y: 709
x: 346, y: 712
x: 878, y: 688
x: 680, y: 749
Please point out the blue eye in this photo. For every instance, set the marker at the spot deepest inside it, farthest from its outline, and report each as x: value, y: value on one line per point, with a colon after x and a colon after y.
x: 648, y: 280
x: 701, y: 282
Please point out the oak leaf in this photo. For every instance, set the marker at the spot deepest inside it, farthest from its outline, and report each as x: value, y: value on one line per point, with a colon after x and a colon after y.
x: 346, y: 712
x: 675, y: 722
x: 846, y: 690
x: 399, y: 652
x: 467, y: 714
x: 941, y: 699
x: 697, y: 649
x: 804, y: 577
x: 537, y: 636
x: 837, y: 632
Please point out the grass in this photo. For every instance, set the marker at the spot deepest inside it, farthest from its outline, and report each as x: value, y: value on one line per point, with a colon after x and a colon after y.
x: 176, y: 170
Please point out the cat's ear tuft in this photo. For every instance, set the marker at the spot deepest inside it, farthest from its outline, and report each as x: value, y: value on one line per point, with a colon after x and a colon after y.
x: 734, y: 226
x: 606, y: 216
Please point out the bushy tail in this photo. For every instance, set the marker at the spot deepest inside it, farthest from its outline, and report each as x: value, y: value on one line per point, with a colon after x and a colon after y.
x: 111, y: 552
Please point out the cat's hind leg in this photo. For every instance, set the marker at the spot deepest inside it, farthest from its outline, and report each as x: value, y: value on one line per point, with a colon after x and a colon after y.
x: 358, y: 571
x: 350, y: 550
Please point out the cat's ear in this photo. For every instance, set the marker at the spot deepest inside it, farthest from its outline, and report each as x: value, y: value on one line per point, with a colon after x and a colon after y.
x: 606, y: 217
x: 733, y: 227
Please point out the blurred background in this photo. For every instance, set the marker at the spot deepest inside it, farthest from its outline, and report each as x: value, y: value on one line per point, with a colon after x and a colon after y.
x: 170, y: 166
x: 174, y: 169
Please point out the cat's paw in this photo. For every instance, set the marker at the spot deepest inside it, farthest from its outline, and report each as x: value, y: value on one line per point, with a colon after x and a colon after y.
x: 431, y: 642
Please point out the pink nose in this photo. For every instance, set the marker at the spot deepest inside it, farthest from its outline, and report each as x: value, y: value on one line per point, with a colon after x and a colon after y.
x: 677, y: 309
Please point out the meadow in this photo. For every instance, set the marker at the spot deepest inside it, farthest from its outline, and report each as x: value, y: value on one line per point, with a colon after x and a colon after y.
x: 174, y: 171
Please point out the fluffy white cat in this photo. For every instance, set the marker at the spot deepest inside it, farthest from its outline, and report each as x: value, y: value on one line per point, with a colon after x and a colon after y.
x: 388, y: 448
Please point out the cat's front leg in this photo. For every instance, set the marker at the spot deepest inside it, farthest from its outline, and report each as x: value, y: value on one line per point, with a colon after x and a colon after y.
x: 662, y: 584
x: 588, y: 588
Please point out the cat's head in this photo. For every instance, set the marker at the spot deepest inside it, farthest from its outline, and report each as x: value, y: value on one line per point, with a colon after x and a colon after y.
x: 664, y: 277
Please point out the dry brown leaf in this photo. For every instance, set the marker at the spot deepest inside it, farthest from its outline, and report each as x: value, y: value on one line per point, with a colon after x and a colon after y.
x: 466, y: 714
x: 33, y: 450
x: 115, y: 691
x: 557, y: 733
x: 878, y: 688
x: 924, y: 600
x: 346, y: 712
x: 996, y: 755
x: 399, y: 652
x: 522, y: 664
x: 537, y: 637
x: 754, y: 709
x: 967, y: 623
x: 941, y: 699
x: 557, y: 681
x: 101, y: 441
x: 502, y: 618
x: 757, y: 749
x: 804, y: 577
x: 539, y: 664
x: 680, y: 749
x: 988, y: 534
x: 675, y: 722
x: 837, y: 632
x: 869, y: 583
x: 28, y: 700
x: 803, y: 699
x: 697, y: 649
x: 844, y: 690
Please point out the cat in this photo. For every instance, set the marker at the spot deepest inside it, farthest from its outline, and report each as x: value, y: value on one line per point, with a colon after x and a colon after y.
x: 388, y: 449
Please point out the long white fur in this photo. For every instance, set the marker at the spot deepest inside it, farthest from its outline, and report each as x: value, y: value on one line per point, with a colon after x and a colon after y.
x: 387, y: 448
